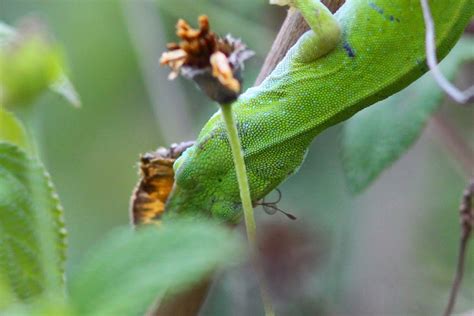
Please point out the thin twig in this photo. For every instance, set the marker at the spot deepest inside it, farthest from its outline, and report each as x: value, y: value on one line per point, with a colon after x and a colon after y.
x: 446, y: 133
x: 461, y: 151
x: 457, y: 95
x: 466, y: 214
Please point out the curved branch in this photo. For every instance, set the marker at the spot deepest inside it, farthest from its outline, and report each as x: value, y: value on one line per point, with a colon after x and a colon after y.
x: 456, y: 94
x: 466, y: 213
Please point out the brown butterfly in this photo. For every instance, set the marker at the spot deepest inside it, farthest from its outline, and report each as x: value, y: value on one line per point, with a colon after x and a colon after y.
x: 157, y: 179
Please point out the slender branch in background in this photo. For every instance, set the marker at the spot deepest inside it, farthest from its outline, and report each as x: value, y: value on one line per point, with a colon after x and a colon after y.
x: 456, y: 94
x: 470, y: 28
x: 466, y: 214
x: 148, y: 38
x: 448, y: 136
x: 292, y: 28
x: 458, y: 147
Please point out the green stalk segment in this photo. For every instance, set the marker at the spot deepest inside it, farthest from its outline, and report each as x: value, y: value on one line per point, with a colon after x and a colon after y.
x: 239, y: 163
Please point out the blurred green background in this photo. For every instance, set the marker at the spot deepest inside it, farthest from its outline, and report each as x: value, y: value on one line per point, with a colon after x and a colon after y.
x: 389, y: 251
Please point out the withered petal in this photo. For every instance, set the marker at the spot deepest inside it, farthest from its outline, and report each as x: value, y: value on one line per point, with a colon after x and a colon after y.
x: 171, y: 56
x: 223, y: 72
x: 203, y: 24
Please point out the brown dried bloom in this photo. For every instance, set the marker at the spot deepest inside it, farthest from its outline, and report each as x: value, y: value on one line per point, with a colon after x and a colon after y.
x: 214, y: 63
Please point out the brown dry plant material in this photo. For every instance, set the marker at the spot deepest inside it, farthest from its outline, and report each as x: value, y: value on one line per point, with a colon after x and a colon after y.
x: 213, y: 62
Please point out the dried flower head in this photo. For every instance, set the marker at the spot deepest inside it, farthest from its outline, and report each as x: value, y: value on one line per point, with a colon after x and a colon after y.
x: 214, y: 63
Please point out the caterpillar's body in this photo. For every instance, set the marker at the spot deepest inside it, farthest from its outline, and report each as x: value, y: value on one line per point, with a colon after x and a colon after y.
x: 381, y: 50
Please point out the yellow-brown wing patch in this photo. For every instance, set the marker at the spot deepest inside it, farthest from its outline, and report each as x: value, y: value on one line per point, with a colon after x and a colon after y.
x: 157, y: 179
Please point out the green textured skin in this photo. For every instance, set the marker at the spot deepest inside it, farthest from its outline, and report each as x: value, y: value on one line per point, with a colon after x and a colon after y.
x: 381, y: 51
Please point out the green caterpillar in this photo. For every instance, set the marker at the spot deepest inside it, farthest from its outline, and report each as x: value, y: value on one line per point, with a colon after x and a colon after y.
x: 364, y: 53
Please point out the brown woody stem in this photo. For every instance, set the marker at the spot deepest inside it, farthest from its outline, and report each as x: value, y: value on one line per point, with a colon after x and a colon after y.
x: 466, y: 214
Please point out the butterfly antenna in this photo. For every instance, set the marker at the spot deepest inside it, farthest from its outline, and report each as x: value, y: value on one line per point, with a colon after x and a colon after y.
x: 271, y: 208
x: 279, y: 196
x: 289, y: 215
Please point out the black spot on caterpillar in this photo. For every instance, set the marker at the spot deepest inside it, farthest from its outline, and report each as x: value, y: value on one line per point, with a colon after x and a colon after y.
x: 349, y: 50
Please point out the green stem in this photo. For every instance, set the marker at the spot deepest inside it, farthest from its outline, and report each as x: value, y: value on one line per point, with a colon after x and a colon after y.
x: 240, y: 169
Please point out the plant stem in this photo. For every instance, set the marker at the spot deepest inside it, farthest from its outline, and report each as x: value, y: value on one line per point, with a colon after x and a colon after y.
x: 240, y: 169
x: 466, y: 212
x: 241, y: 172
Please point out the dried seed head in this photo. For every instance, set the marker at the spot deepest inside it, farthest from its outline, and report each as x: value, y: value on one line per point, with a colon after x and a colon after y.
x: 214, y: 63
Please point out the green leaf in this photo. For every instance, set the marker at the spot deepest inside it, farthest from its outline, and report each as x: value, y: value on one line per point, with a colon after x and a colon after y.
x: 47, y: 305
x: 126, y: 272
x: 64, y: 88
x: 12, y: 131
x: 7, y: 298
x: 377, y: 136
x: 32, y: 234
x: 30, y: 64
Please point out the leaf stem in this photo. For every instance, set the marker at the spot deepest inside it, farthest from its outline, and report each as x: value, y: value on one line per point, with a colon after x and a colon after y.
x: 240, y: 169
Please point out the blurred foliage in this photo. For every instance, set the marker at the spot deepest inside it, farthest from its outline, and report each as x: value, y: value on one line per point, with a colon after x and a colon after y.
x: 50, y: 304
x: 88, y: 149
x: 12, y: 131
x: 30, y: 63
x: 7, y: 298
x: 124, y: 273
x: 376, y: 137
x: 27, y: 70
x: 389, y: 251
x: 32, y: 230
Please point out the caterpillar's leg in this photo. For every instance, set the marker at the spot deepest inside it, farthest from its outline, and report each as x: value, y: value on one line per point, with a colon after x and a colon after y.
x: 326, y: 31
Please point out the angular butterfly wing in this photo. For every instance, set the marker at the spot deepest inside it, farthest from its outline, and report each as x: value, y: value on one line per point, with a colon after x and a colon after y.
x: 156, y: 182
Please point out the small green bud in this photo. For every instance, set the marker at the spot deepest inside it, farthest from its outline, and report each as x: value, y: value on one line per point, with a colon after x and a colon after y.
x: 29, y: 64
